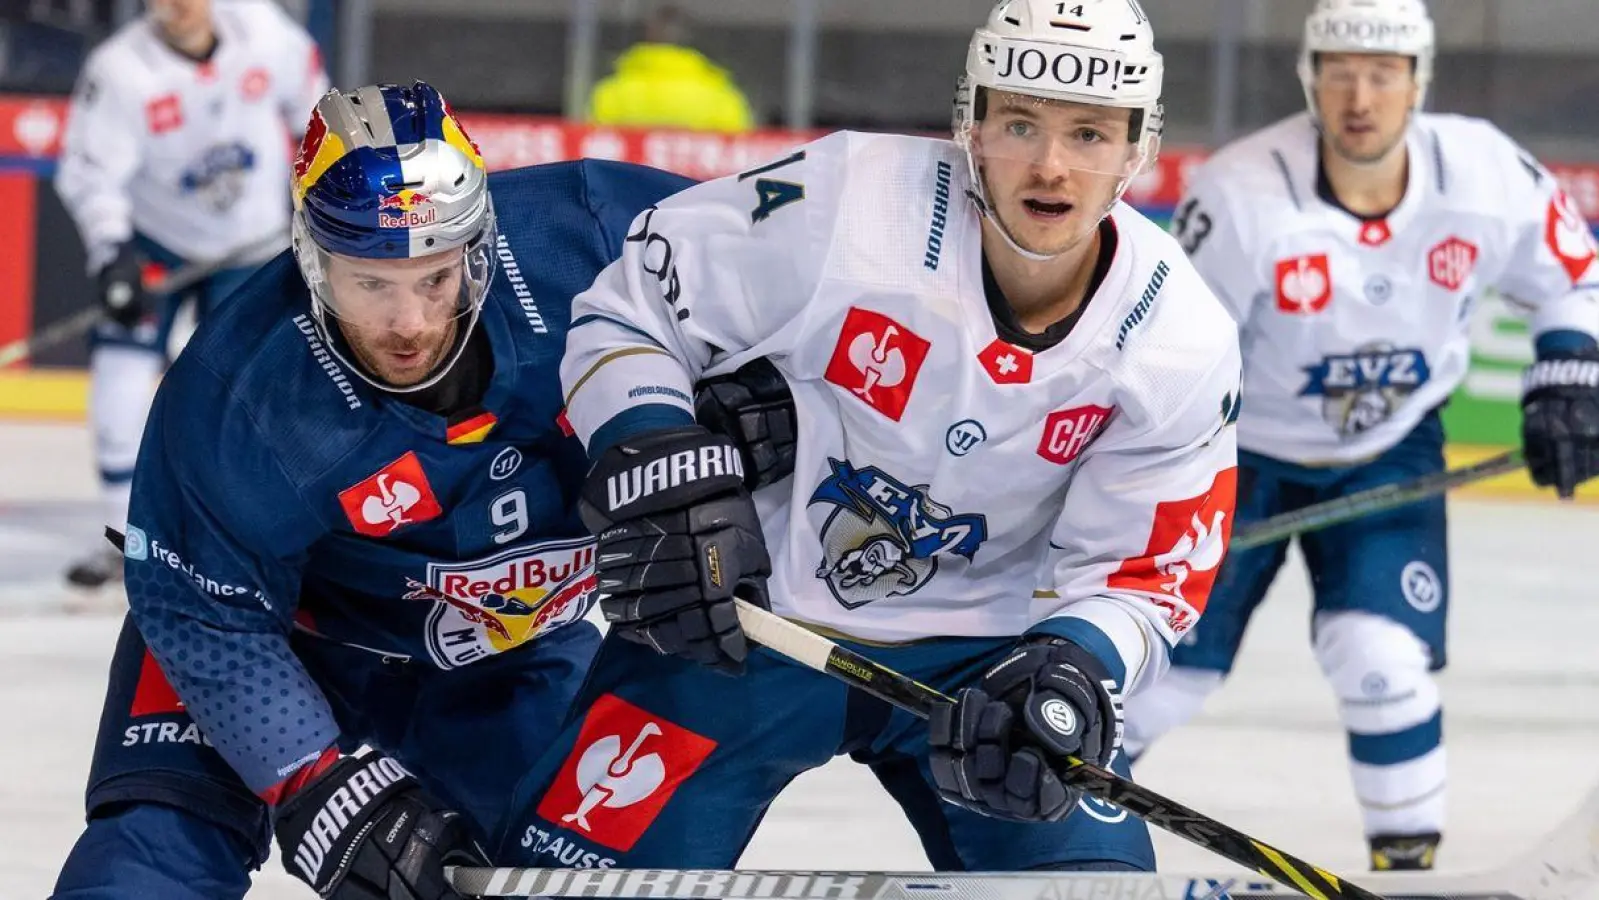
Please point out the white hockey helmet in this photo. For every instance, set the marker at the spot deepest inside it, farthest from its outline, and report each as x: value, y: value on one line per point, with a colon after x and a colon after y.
x: 1097, y: 52
x: 1398, y: 27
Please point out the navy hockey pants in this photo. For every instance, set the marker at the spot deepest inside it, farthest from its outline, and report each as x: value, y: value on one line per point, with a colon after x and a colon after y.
x: 1393, y: 564
x: 169, y: 819
x: 664, y: 763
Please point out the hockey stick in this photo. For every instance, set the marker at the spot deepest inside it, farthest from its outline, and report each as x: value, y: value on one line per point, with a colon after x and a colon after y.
x: 181, y: 279
x: 1563, y: 866
x: 1374, y: 500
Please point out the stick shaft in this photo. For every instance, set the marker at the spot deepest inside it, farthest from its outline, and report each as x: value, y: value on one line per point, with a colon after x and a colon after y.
x: 817, y: 652
x: 1374, y: 500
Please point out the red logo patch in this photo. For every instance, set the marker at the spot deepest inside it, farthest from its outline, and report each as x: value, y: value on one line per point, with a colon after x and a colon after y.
x: 1186, y: 546
x: 877, y: 359
x: 1451, y: 262
x: 1068, y: 431
x: 1007, y: 364
x: 624, y: 767
x: 397, y: 496
x: 163, y: 114
x: 1304, y: 284
x: 1375, y: 233
x: 1568, y: 237
x: 153, y: 696
x: 255, y: 83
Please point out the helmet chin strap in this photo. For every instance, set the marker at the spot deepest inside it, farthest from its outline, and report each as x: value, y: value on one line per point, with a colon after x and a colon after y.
x: 976, y: 195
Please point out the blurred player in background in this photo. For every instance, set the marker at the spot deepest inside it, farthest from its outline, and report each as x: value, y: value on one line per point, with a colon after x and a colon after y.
x: 1003, y: 376
x: 176, y: 152
x: 354, y: 522
x: 1350, y: 242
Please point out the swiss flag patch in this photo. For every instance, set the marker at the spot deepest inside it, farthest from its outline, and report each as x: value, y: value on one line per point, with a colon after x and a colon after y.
x: 1304, y: 284
x: 397, y: 496
x: 1185, y: 549
x: 624, y: 767
x: 1006, y: 363
x: 153, y: 696
x: 877, y: 360
x: 1568, y: 237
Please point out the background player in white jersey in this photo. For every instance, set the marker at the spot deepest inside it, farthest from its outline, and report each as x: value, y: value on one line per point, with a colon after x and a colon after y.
x: 1001, y: 376
x: 1350, y: 243
x: 176, y: 152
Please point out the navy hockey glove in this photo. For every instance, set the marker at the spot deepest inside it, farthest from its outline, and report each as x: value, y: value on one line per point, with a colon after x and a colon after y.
x: 997, y: 749
x: 121, y: 284
x: 1560, y: 420
x: 678, y: 535
x: 365, y: 830
x: 753, y: 407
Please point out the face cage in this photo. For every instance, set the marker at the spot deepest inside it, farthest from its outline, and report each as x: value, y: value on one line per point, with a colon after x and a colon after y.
x: 479, y: 256
x: 1148, y: 151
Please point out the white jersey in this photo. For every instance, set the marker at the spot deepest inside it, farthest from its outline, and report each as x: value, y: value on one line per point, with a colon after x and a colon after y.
x: 947, y: 482
x: 195, y: 156
x: 1353, y: 331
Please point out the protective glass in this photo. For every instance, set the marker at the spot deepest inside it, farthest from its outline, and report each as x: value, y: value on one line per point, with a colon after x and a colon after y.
x: 1057, y: 137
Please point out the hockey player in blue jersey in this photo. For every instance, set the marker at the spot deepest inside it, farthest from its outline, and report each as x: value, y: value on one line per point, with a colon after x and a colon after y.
x: 352, y: 523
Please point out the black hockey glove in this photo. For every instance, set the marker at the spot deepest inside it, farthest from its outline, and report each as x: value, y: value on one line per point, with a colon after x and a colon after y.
x: 997, y: 749
x: 1560, y: 420
x: 365, y: 830
x: 121, y: 284
x: 677, y: 536
x: 753, y: 407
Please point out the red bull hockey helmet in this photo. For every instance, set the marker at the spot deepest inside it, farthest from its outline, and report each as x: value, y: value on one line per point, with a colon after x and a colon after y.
x: 387, y: 172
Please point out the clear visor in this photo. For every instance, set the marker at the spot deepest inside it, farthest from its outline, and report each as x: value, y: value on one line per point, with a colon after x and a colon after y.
x: 418, y: 294
x: 1380, y: 75
x: 1055, y: 137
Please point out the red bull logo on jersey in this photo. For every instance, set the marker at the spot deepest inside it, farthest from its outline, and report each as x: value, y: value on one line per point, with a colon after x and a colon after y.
x: 488, y: 606
x: 624, y: 767
x: 1186, y: 544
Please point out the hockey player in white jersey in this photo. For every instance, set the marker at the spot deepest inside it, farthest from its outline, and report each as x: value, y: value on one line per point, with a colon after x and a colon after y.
x: 1350, y: 243
x: 176, y: 152
x: 1013, y: 478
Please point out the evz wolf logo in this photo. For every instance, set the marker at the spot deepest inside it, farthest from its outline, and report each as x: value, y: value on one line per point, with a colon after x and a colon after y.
x: 883, y: 539
x: 1363, y: 389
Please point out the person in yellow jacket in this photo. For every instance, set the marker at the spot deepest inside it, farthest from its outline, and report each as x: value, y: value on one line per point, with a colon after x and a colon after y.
x: 661, y: 82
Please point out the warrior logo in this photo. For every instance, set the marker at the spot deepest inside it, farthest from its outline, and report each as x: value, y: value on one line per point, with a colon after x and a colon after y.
x: 883, y: 539
x: 1363, y: 389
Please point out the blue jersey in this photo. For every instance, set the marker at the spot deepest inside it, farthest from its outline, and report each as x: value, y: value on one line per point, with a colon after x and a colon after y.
x: 277, y: 490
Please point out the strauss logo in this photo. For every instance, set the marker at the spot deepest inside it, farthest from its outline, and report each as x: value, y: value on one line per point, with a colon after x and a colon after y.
x: 613, y: 777
x: 1200, y: 549
x: 390, y: 503
x: 879, y: 362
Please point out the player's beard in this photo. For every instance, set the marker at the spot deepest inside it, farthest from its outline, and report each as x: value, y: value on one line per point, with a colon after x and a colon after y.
x: 1355, y: 156
x: 372, y: 353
